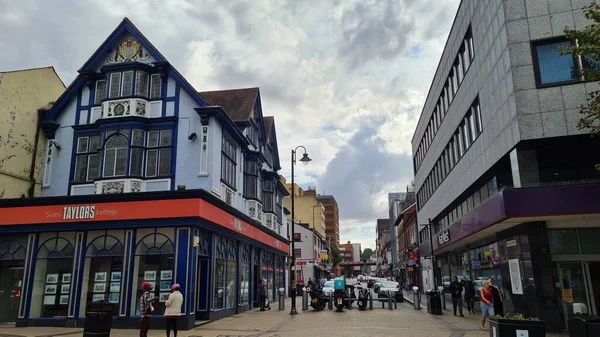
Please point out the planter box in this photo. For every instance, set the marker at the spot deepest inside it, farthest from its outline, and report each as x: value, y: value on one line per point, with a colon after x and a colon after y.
x: 512, y: 328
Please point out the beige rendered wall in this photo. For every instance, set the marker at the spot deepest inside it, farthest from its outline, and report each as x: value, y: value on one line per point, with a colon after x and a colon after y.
x: 22, y: 93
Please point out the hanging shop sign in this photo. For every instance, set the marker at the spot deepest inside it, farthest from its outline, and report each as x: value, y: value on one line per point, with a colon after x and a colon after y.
x: 443, y: 237
x: 135, y: 210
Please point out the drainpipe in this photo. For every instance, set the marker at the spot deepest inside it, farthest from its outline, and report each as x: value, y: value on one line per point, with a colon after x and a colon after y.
x: 34, y: 155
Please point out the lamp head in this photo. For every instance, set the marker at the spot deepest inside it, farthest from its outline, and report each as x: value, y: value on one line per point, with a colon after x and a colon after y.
x: 305, y: 159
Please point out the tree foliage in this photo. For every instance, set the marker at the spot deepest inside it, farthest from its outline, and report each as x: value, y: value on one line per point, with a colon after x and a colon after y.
x: 366, y: 254
x: 335, y: 256
x: 587, y: 46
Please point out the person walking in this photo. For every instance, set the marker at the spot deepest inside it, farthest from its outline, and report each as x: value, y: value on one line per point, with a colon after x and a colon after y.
x: 146, y: 308
x: 487, y: 303
x: 470, y: 296
x: 173, y: 309
x: 262, y: 292
x: 498, y: 298
x: 456, y: 289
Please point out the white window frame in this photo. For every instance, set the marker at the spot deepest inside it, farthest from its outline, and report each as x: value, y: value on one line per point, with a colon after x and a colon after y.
x: 110, y: 85
x: 137, y: 81
x: 96, y: 101
x: 123, y: 82
x: 150, y: 96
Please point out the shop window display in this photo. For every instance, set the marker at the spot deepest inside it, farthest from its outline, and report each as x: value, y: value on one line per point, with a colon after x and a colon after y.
x: 53, y: 275
x: 267, y: 271
x: 244, y: 274
x: 225, y: 285
x: 103, y: 269
x: 485, y: 263
x: 154, y: 264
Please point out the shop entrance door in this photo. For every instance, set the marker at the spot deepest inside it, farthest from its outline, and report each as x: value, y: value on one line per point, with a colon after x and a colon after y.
x: 11, y: 278
x: 577, y: 287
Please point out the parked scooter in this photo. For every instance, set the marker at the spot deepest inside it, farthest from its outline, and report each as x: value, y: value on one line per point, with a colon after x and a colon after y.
x: 363, y: 297
x: 318, y: 300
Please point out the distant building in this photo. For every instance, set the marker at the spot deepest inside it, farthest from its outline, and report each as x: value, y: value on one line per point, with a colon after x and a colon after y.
x: 24, y: 94
x: 332, y: 217
x: 308, y: 209
x: 383, y: 246
x: 397, y: 203
x: 307, y: 245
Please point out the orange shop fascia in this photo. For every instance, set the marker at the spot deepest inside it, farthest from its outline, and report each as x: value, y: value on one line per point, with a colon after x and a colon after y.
x: 136, y: 210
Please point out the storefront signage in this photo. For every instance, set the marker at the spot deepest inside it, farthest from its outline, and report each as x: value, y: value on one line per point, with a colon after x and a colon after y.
x: 443, y: 237
x: 515, y: 276
x: 511, y: 243
x: 78, y: 212
x: 136, y: 210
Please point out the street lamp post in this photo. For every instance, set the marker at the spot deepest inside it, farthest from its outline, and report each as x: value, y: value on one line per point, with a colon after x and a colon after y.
x: 432, y: 255
x: 304, y: 160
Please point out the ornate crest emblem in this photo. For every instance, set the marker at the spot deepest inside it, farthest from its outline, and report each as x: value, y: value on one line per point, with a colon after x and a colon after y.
x: 128, y: 51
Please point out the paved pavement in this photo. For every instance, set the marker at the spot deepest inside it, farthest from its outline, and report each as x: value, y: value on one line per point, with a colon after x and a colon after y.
x: 403, y: 322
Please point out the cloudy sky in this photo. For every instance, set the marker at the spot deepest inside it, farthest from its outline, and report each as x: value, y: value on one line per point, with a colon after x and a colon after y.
x: 346, y: 79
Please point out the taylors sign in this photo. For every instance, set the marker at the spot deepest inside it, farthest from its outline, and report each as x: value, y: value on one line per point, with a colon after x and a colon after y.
x: 78, y: 212
x: 443, y: 237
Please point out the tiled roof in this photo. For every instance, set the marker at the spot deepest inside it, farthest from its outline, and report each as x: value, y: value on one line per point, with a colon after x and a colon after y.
x: 268, y: 121
x: 237, y: 103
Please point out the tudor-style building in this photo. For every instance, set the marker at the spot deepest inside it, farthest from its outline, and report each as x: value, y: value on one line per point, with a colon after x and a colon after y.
x: 145, y: 179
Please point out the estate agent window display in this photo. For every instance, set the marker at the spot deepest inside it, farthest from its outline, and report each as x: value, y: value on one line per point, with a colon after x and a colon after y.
x: 103, y: 269
x: 53, y: 275
x: 154, y: 264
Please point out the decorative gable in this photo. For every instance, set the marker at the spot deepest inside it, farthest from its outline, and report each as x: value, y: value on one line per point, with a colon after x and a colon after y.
x: 129, y: 50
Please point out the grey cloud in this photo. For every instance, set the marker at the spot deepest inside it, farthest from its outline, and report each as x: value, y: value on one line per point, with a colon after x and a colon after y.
x: 360, y: 172
x: 374, y: 30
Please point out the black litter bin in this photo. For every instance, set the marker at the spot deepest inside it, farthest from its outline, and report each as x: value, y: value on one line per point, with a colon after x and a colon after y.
x: 434, y: 303
x: 98, y: 319
x: 584, y: 326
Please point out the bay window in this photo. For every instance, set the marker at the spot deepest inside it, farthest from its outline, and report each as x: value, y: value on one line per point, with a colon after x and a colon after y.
x: 141, y: 84
x: 136, y: 152
x: 121, y: 84
x: 268, y: 195
x: 87, y: 159
x: 251, y: 179
x: 228, y: 162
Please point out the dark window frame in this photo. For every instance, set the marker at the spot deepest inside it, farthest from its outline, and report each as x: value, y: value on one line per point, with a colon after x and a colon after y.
x: 536, y: 66
x: 228, y: 157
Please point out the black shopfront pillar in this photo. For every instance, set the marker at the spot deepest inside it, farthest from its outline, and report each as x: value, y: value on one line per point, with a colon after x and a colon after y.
x: 529, y: 243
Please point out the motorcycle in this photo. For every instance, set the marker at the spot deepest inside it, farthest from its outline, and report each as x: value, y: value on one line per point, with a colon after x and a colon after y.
x: 338, y: 298
x: 318, y: 300
x: 363, y: 297
x: 348, y: 300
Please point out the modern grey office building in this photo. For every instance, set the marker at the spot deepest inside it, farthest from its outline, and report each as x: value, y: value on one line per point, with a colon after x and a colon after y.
x: 501, y: 170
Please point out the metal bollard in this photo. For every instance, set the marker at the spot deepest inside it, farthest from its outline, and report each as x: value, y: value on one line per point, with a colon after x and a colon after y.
x: 416, y: 298
x: 390, y: 300
x: 330, y: 303
x: 281, y: 298
x: 349, y: 301
x: 304, y: 300
x: 370, y: 300
x: 442, y: 297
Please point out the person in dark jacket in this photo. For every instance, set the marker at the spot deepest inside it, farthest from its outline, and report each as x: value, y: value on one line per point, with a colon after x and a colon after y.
x: 470, y: 296
x: 498, y: 298
x: 262, y: 294
x: 456, y: 289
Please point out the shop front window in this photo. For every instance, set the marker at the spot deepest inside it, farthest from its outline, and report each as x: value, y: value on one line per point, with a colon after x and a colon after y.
x: 563, y: 241
x: 103, y: 269
x: 225, y: 287
x: 153, y: 264
x: 12, y: 265
x: 245, y: 274
x: 53, y: 275
x: 267, y: 271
